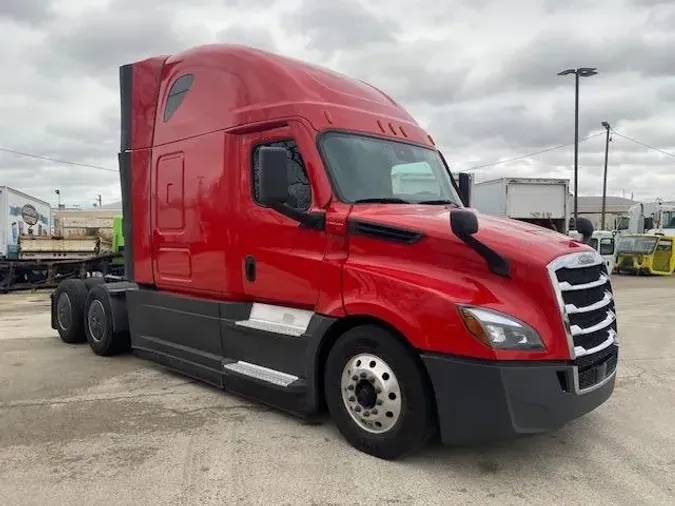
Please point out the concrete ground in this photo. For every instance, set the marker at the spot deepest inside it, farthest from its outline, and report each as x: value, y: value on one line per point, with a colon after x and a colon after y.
x: 79, y: 429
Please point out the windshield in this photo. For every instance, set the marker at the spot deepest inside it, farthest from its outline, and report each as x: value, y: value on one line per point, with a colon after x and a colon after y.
x: 668, y: 219
x: 623, y: 223
x: 607, y: 246
x: 640, y: 245
x: 370, y: 169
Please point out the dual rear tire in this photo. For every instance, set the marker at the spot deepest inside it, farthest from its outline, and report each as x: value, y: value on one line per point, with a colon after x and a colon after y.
x: 83, y: 312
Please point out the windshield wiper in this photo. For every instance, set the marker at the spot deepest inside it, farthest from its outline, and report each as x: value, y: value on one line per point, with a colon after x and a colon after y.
x: 439, y: 202
x: 381, y: 200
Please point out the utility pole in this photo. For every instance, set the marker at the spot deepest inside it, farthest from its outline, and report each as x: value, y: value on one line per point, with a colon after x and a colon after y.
x: 604, y: 176
x: 579, y: 72
x: 58, y: 199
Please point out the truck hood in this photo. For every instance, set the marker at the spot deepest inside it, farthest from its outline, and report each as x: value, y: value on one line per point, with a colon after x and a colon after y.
x: 511, y: 238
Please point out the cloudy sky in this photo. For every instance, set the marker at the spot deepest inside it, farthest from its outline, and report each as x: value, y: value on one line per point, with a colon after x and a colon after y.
x: 479, y: 74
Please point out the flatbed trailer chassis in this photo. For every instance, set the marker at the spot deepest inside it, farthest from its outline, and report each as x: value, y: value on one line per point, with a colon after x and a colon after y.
x: 31, y: 274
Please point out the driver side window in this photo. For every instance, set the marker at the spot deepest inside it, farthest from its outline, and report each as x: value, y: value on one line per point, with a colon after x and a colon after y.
x: 299, y: 190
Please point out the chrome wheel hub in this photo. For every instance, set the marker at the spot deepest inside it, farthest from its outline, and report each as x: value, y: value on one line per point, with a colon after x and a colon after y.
x: 371, y: 393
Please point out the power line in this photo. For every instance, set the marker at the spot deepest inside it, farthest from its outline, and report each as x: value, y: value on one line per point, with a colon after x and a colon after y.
x: 534, y: 153
x: 643, y: 144
x: 40, y: 157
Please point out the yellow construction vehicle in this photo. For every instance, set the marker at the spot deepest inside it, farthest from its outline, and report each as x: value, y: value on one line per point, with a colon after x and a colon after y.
x: 650, y: 254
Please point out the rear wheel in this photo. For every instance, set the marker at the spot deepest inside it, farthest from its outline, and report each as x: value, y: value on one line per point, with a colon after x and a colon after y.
x: 377, y: 394
x: 70, y: 297
x: 92, y: 282
x: 98, y: 325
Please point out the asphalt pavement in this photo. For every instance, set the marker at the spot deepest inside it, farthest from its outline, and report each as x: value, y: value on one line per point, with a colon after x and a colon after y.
x: 80, y: 429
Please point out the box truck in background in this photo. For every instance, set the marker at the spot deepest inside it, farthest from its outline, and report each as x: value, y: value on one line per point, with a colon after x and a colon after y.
x: 21, y: 214
x: 539, y: 201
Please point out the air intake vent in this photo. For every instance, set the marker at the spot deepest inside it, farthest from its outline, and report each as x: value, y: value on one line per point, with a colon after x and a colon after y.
x: 384, y: 232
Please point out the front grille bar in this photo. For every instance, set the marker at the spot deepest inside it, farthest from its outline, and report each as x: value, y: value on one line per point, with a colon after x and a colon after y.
x: 580, y: 351
x: 567, y: 287
x: 581, y: 331
x: 606, y: 301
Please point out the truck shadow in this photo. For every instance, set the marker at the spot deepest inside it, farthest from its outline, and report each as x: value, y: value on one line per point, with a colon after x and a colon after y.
x: 510, y: 457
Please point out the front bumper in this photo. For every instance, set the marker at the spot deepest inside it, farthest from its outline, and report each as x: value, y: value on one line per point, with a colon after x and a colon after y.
x: 480, y: 401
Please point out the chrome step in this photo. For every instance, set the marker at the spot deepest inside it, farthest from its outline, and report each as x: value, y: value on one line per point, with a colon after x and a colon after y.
x: 261, y: 373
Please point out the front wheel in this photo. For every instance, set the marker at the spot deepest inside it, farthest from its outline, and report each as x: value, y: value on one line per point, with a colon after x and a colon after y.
x: 377, y: 394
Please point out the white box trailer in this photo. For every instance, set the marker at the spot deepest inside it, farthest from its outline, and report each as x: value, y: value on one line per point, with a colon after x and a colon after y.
x: 21, y: 214
x: 540, y: 201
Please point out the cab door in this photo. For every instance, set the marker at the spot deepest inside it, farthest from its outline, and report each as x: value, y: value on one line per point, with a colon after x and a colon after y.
x: 663, y: 255
x: 280, y: 260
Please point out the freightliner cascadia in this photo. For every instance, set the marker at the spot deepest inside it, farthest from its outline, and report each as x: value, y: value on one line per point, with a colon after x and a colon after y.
x: 267, y: 252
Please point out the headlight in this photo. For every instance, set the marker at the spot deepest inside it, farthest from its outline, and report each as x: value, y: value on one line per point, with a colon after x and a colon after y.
x: 500, y: 331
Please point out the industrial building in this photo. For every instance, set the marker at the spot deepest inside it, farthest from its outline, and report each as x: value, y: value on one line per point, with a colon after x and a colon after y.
x: 591, y: 207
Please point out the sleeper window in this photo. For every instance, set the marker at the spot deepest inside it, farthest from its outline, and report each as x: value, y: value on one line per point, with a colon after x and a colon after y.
x: 300, y: 194
x: 177, y: 93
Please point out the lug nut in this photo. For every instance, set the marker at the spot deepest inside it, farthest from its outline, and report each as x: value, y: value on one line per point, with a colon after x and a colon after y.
x: 357, y: 409
x: 374, y: 411
x: 379, y: 402
x: 366, y: 414
x: 352, y: 399
x: 355, y: 378
x: 350, y: 387
x: 363, y: 375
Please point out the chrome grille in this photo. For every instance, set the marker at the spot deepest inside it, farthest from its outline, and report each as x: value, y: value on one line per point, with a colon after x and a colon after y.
x: 586, y: 299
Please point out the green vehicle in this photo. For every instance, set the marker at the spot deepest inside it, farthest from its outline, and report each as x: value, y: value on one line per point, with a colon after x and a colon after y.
x: 118, y: 239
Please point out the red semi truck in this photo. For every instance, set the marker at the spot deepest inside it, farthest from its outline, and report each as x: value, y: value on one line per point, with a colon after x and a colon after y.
x: 267, y: 253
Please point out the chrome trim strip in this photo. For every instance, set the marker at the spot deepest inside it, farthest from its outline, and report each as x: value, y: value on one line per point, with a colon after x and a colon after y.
x: 567, y: 287
x: 580, y: 331
x: 606, y: 300
x: 580, y: 391
x: 277, y: 320
x: 580, y: 351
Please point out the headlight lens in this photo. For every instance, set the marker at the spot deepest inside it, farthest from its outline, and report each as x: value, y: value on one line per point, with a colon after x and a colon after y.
x: 500, y: 331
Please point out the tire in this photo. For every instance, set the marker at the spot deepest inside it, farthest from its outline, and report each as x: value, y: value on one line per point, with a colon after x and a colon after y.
x: 92, y: 282
x: 390, y: 367
x: 69, y: 299
x: 98, y: 325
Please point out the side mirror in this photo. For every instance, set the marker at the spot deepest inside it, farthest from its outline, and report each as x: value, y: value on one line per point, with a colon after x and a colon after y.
x: 464, y: 185
x: 463, y: 222
x: 273, y: 183
x: 585, y: 228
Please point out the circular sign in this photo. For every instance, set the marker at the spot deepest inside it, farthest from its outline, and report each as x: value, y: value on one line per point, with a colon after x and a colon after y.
x: 29, y: 215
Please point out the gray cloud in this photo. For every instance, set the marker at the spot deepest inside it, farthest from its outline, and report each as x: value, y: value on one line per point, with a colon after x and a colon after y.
x: 650, y: 3
x: 537, y: 63
x: 255, y: 36
x: 481, y: 75
x: 32, y: 12
x: 99, y: 40
x: 340, y: 26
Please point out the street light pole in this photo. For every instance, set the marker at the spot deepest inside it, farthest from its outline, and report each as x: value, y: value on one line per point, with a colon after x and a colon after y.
x: 604, y: 175
x: 579, y: 72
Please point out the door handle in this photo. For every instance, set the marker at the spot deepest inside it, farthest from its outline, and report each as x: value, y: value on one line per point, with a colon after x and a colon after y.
x: 249, y: 268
